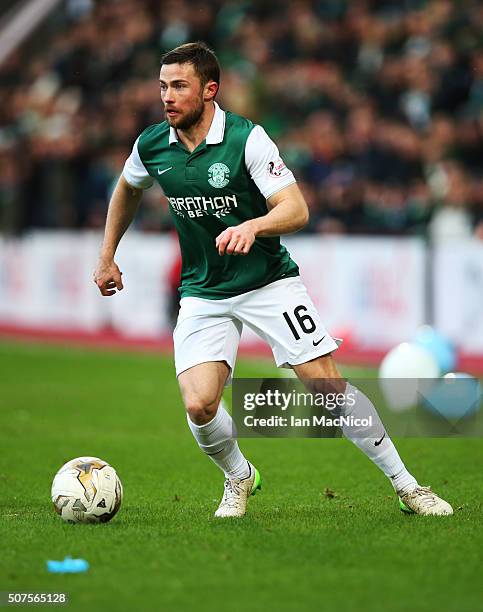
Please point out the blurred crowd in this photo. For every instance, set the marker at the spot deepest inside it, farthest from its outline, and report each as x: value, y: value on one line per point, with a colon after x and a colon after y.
x: 377, y: 106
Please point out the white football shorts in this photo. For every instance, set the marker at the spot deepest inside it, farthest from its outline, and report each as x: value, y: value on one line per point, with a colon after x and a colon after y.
x: 281, y: 313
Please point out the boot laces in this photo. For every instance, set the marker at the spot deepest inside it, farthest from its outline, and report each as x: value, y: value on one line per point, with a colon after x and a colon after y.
x: 232, y: 492
x: 426, y: 495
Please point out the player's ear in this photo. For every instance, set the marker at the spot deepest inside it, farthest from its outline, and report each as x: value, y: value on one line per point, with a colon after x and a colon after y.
x: 210, y: 91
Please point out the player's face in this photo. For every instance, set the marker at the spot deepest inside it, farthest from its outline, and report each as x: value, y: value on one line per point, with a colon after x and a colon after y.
x: 182, y: 95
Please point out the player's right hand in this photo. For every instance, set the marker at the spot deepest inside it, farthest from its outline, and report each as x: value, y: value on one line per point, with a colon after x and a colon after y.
x: 107, y: 277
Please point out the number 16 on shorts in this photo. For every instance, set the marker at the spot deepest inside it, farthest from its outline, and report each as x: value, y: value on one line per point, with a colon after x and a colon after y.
x: 303, y: 321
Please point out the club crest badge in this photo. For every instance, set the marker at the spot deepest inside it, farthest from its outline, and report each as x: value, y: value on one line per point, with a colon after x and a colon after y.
x: 218, y: 175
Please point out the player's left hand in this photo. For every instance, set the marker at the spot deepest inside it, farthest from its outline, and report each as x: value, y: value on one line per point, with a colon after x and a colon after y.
x: 237, y: 240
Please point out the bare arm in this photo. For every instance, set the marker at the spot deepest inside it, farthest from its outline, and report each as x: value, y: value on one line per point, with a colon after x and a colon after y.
x: 288, y: 213
x: 122, y: 208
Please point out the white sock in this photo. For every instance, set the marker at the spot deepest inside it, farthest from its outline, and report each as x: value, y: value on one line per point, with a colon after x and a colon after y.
x: 384, y: 453
x: 217, y: 439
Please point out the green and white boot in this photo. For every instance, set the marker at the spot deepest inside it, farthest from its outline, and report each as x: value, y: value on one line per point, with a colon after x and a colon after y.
x: 422, y: 500
x: 236, y: 494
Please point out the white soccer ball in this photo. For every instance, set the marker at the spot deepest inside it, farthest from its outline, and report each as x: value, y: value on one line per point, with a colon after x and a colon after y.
x: 86, y: 490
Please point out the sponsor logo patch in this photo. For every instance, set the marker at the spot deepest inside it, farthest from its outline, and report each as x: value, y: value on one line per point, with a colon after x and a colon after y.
x: 276, y: 168
x: 198, y: 206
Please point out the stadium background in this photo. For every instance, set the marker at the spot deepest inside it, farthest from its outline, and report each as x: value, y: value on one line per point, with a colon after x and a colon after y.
x: 377, y: 107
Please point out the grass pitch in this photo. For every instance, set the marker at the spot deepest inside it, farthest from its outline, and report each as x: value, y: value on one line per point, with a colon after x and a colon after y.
x: 297, y: 548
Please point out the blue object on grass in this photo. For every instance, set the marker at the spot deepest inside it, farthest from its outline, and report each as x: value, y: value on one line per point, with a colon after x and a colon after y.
x: 439, y: 346
x: 68, y: 566
x: 455, y: 396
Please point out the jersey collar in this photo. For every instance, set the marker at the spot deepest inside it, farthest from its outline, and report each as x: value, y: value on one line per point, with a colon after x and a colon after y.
x: 215, y: 133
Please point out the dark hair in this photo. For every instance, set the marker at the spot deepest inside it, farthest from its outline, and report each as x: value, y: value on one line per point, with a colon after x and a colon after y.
x: 200, y: 55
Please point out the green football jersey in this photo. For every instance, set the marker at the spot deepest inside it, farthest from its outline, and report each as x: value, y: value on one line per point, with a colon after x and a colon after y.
x: 223, y: 182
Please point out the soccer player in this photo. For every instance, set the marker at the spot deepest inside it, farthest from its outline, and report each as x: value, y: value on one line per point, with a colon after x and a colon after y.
x: 231, y: 198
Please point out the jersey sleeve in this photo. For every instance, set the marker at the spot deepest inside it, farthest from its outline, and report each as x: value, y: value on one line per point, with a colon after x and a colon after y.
x: 264, y: 163
x: 135, y: 171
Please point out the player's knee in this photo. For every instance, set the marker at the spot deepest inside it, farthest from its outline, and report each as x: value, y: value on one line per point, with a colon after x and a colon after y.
x: 200, y: 410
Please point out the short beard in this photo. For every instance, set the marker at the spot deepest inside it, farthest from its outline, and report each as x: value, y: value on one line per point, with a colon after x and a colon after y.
x: 188, y: 121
